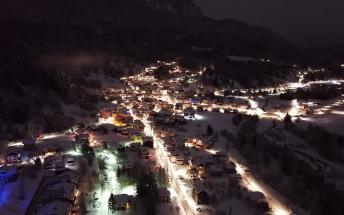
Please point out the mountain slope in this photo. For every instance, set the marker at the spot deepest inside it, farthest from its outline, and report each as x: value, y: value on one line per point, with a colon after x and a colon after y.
x: 47, y: 45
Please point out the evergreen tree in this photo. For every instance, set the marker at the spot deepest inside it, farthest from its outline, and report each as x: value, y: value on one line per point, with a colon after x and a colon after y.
x: 38, y: 163
x: 210, y: 130
x: 287, y: 121
x: 111, y: 202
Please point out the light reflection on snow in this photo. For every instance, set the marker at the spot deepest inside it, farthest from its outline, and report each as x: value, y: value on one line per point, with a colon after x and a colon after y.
x: 112, y: 184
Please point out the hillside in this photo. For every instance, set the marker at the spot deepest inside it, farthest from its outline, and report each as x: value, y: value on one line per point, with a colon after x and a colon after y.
x: 49, y: 48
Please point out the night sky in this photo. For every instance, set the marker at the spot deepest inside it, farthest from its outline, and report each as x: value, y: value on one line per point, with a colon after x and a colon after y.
x: 308, y: 23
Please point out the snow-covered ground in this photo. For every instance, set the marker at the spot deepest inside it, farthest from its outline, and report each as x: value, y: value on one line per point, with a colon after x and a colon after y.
x: 16, y: 197
x: 332, y: 122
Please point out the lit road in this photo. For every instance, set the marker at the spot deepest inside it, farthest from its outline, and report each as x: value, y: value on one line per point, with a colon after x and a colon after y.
x: 274, y: 199
x: 185, y: 201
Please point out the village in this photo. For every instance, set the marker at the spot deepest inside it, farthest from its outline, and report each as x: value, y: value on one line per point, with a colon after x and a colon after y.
x: 159, y: 145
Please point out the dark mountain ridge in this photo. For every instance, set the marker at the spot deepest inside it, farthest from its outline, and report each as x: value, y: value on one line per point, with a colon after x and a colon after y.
x: 43, y: 26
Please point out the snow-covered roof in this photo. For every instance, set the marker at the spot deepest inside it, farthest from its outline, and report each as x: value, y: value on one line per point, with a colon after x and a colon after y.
x: 63, y: 190
x: 122, y: 199
x: 57, y: 207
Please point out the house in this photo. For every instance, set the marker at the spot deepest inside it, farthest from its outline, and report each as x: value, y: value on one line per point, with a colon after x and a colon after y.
x: 200, y: 109
x: 195, y: 142
x: 59, y: 190
x: 196, y: 162
x: 12, y: 158
x: 135, y: 135
x: 8, y: 174
x: 164, y: 195
x: 104, y: 114
x: 189, y: 113
x: 83, y: 137
x: 178, y: 106
x: 180, y: 160
x: 60, y: 166
x: 49, y: 161
x: 122, y: 201
x: 69, y: 176
x: 138, y: 125
x: 148, y: 142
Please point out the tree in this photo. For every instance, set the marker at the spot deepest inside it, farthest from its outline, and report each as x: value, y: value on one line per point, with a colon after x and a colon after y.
x: 287, y: 121
x: 210, y: 130
x: 162, y: 73
x: 118, y: 172
x: 87, y: 150
x: 274, y: 123
x: 111, y: 202
x: 104, y: 130
x: 38, y: 163
x: 151, y: 208
x: 146, y: 186
x: 147, y: 191
x: 162, y: 178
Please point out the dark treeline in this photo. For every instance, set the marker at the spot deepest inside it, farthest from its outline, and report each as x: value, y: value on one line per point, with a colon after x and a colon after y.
x: 325, y: 143
x: 321, y: 92
x: 249, y: 74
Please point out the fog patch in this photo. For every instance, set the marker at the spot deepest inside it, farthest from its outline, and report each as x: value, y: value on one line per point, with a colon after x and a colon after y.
x: 73, y: 61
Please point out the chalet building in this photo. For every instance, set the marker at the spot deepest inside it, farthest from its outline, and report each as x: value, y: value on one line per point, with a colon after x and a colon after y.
x: 148, y: 142
x: 122, y: 201
x: 189, y: 113
x: 135, y: 135
x: 12, y: 158
x: 178, y: 106
x: 50, y: 161
x: 138, y: 125
x: 83, y: 138
x: 59, y: 190
x: 57, y: 207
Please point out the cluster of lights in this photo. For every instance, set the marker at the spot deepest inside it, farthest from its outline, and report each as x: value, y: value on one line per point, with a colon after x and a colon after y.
x: 159, y: 93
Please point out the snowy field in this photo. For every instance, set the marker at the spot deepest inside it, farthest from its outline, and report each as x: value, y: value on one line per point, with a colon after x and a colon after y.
x: 332, y: 122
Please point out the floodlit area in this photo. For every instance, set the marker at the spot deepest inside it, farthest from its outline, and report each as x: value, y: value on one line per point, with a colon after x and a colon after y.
x: 111, y: 184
